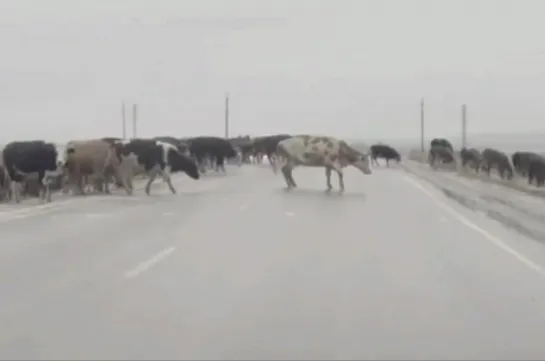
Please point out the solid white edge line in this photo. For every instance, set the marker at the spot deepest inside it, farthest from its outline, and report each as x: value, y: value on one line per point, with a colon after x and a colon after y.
x: 144, y: 266
x: 466, y: 222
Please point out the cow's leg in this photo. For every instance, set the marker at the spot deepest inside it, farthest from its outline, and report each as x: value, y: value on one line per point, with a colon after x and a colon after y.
x: 128, y: 183
x: 341, y: 178
x: 166, y: 177
x: 202, y: 166
x: 15, y: 191
x: 220, y: 163
x: 487, y: 169
x: 388, y: 162
x: 328, y: 179
x: 152, y: 174
x: 288, y: 177
x: 80, y: 184
x: 126, y: 180
x: 125, y: 175
x: 44, y: 179
x: 107, y: 179
x: 42, y: 187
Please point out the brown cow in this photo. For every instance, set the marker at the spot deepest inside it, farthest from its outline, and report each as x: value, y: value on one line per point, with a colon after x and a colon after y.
x: 94, y: 159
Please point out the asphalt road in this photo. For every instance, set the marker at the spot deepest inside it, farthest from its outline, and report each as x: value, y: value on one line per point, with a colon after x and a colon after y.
x: 236, y: 268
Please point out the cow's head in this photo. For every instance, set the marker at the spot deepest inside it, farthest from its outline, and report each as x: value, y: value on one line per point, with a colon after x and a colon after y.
x: 363, y: 164
x: 181, y: 162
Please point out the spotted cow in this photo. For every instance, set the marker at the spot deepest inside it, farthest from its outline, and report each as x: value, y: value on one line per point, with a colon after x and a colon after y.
x: 316, y: 151
x: 155, y: 158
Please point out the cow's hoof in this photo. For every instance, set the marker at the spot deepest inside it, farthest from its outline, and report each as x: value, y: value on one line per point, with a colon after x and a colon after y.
x: 327, y: 191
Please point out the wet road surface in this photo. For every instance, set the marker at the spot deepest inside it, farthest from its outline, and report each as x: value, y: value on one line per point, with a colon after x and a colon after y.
x: 236, y: 268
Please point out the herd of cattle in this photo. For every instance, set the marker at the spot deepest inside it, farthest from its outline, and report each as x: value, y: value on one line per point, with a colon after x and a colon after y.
x: 36, y: 168
x: 525, y: 164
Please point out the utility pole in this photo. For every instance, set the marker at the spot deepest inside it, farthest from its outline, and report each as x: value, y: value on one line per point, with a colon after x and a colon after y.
x: 226, y: 125
x: 134, y: 119
x: 124, y: 119
x: 464, y: 125
x: 422, y: 125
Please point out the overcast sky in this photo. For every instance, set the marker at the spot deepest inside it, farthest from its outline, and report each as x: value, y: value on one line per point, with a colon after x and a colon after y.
x: 346, y: 68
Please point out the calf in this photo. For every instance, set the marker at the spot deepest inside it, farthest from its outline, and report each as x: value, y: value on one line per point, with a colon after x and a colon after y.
x: 37, y: 156
x: 493, y: 158
x: 155, y: 158
x: 384, y: 151
x: 313, y: 151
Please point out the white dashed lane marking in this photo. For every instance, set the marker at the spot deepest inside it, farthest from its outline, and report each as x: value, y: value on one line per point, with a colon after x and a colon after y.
x: 144, y: 266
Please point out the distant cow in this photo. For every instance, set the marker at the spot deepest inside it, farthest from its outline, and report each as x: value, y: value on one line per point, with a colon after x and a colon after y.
x: 536, y: 170
x: 440, y: 154
x: 155, y: 158
x: 441, y: 142
x: 215, y: 149
x: 384, y: 151
x: 492, y: 158
x: 26, y: 157
x: 471, y: 157
x: 522, y: 160
x: 315, y: 151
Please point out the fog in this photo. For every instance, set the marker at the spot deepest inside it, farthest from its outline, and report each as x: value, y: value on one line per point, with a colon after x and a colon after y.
x: 354, y: 69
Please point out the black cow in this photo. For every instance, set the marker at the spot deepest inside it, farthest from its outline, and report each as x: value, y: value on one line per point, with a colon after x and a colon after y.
x: 178, y: 143
x: 155, y: 158
x: 536, y: 170
x: 36, y: 156
x: 441, y: 142
x: 440, y: 154
x: 214, y: 148
x: 384, y: 151
x: 4, y: 183
x: 522, y: 160
x: 472, y: 157
x: 267, y: 146
x: 492, y: 158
